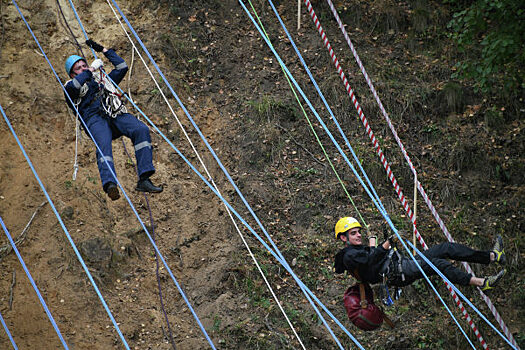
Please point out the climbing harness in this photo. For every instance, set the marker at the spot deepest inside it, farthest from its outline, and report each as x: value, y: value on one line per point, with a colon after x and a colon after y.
x: 110, y: 97
x: 392, y: 269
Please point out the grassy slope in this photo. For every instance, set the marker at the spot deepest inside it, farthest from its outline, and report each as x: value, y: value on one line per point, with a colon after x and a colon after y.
x: 467, y: 148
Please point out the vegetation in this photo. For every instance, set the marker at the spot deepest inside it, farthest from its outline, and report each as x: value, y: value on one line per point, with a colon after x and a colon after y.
x: 491, y: 36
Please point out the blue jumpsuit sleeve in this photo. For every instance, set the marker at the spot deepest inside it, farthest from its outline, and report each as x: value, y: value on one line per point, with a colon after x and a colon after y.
x: 121, y: 68
x: 73, y: 86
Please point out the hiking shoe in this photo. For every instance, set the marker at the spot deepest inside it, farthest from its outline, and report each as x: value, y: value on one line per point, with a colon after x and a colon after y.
x: 499, y: 252
x: 112, y: 191
x: 491, y: 281
x: 147, y: 186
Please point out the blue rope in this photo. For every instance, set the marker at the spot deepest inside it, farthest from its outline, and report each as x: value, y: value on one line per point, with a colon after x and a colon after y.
x: 44, y: 305
x: 129, y: 201
x: 138, y: 109
x: 8, y: 333
x: 81, y: 27
x: 280, y: 258
x: 337, y: 145
x: 209, y: 185
x: 64, y: 228
x: 328, y: 108
x: 51, y: 202
x: 319, y: 91
x: 458, y: 292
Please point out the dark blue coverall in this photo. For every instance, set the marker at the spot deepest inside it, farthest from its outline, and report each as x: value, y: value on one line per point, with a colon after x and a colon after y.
x: 105, y: 129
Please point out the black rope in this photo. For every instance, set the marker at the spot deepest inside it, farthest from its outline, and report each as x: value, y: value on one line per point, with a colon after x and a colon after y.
x: 170, y: 333
x: 3, y: 29
x: 79, y: 48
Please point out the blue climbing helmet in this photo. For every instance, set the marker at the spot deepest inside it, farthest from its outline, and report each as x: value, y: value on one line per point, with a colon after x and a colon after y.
x: 70, y: 62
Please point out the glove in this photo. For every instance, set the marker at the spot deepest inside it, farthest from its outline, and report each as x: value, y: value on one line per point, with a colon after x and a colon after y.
x: 393, y: 239
x: 94, y: 45
x: 97, y: 64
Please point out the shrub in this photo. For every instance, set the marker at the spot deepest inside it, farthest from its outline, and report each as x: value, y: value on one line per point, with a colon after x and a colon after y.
x: 491, y: 36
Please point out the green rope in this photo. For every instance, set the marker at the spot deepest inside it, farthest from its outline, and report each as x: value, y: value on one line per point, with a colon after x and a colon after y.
x: 311, y: 125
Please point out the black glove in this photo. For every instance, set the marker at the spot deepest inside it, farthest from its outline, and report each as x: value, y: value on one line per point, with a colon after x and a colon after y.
x: 393, y: 239
x: 94, y: 45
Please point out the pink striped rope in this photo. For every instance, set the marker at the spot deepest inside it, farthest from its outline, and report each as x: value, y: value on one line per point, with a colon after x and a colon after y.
x: 438, y: 219
x: 385, y: 163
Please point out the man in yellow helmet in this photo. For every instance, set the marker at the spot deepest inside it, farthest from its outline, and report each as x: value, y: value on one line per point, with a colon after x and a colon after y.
x: 373, y: 263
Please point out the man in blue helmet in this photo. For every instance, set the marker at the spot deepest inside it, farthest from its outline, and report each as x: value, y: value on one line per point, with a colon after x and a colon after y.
x: 98, y: 103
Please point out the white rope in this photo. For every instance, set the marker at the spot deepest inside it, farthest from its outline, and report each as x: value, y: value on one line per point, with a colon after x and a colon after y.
x: 209, y: 177
x: 130, y: 70
x: 77, y: 136
x: 78, y: 140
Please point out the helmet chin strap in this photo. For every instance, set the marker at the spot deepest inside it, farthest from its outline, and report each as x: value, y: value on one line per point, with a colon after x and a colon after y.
x: 347, y: 235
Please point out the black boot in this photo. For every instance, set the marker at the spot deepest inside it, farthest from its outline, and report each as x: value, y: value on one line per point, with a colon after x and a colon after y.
x: 112, y: 190
x: 145, y: 185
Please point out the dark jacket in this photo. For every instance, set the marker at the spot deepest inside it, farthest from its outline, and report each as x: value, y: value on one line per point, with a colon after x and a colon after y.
x: 369, y: 261
x: 90, y: 103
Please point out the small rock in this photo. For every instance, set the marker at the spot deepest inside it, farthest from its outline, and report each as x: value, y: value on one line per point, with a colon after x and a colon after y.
x: 68, y: 213
x: 96, y: 250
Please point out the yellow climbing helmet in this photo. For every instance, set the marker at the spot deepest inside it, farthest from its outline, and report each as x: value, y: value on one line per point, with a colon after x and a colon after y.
x: 345, y: 224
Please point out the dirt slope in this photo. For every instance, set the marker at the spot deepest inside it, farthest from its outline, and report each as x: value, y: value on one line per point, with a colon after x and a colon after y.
x: 234, y: 90
x: 191, y: 227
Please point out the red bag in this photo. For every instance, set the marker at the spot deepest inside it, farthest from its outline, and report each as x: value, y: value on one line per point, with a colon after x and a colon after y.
x: 366, y: 316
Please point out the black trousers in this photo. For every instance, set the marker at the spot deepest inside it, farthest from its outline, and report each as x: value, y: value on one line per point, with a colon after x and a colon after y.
x: 437, y: 255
